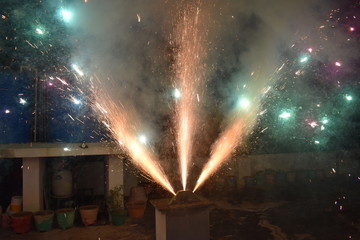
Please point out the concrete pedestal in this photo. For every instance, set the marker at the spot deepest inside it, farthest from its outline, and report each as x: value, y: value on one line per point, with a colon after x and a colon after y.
x: 181, y: 221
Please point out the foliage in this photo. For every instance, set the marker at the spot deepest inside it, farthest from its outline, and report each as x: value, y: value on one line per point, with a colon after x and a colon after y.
x: 115, y: 199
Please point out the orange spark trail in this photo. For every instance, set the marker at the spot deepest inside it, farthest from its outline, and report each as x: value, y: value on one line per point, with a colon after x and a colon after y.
x: 224, y: 146
x: 189, y: 75
x: 120, y: 122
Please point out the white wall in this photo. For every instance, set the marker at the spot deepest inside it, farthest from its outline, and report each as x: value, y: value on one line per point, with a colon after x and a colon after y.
x: 342, y: 162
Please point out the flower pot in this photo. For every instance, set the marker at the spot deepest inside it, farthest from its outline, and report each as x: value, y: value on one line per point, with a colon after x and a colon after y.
x: 89, y: 214
x: 231, y: 182
x: 5, y: 220
x: 259, y: 179
x: 270, y: 178
x: 281, y: 178
x: 118, y: 217
x: 291, y: 177
x: 21, y: 222
x: 137, y: 194
x: 249, y: 181
x: 44, y: 220
x: 65, y: 217
x: 136, y: 210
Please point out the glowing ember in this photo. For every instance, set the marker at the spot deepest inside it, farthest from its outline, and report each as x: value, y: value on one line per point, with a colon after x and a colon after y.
x: 338, y: 64
x: 189, y: 78
x: 120, y: 121
x: 313, y: 124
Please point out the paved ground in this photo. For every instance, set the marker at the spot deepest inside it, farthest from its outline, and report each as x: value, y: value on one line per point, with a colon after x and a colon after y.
x: 296, y: 212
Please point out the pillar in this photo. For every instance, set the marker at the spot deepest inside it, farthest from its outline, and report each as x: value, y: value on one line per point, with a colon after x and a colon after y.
x: 114, y: 172
x: 33, y: 174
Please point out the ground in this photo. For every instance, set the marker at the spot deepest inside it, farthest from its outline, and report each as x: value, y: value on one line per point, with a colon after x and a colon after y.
x: 291, y: 212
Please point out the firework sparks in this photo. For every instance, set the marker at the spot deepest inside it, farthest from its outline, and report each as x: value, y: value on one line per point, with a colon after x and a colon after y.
x: 62, y: 81
x: 223, y: 148
x: 119, y: 121
x: 77, y: 69
x: 313, y: 124
x: 189, y: 78
x: 22, y: 101
x: 138, y: 17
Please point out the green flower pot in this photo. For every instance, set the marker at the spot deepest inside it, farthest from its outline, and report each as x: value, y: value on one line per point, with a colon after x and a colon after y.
x: 118, y: 217
x: 44, y: 220
x: 65, y: 217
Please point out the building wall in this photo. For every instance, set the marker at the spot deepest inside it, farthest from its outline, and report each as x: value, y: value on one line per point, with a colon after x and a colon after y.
x: 92, y: 177
x: 335, y: 162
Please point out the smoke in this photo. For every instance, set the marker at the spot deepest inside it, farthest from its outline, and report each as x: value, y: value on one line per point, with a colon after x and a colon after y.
x: 249, y: 39
x: 129, y: 43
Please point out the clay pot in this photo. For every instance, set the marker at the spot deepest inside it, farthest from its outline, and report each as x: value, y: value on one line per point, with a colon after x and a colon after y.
x: 21, y: 222
x: 136, y: 210
x: 89, y: 214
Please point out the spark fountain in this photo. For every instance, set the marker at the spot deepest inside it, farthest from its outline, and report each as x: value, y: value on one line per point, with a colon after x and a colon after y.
x: 186, y: 215
x: 225, y: 145
x: 119, y: 121
x: 188, y: 78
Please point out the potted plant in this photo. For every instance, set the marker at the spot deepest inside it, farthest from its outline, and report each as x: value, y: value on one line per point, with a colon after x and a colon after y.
x: 115, y: 204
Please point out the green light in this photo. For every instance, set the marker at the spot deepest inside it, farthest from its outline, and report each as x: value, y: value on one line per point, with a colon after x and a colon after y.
x: 317, y: 142
x: 39, y: 31
x: 304, y: 59
x: 348, y: 97
x: 325, y: 120
x: 285, y: 115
